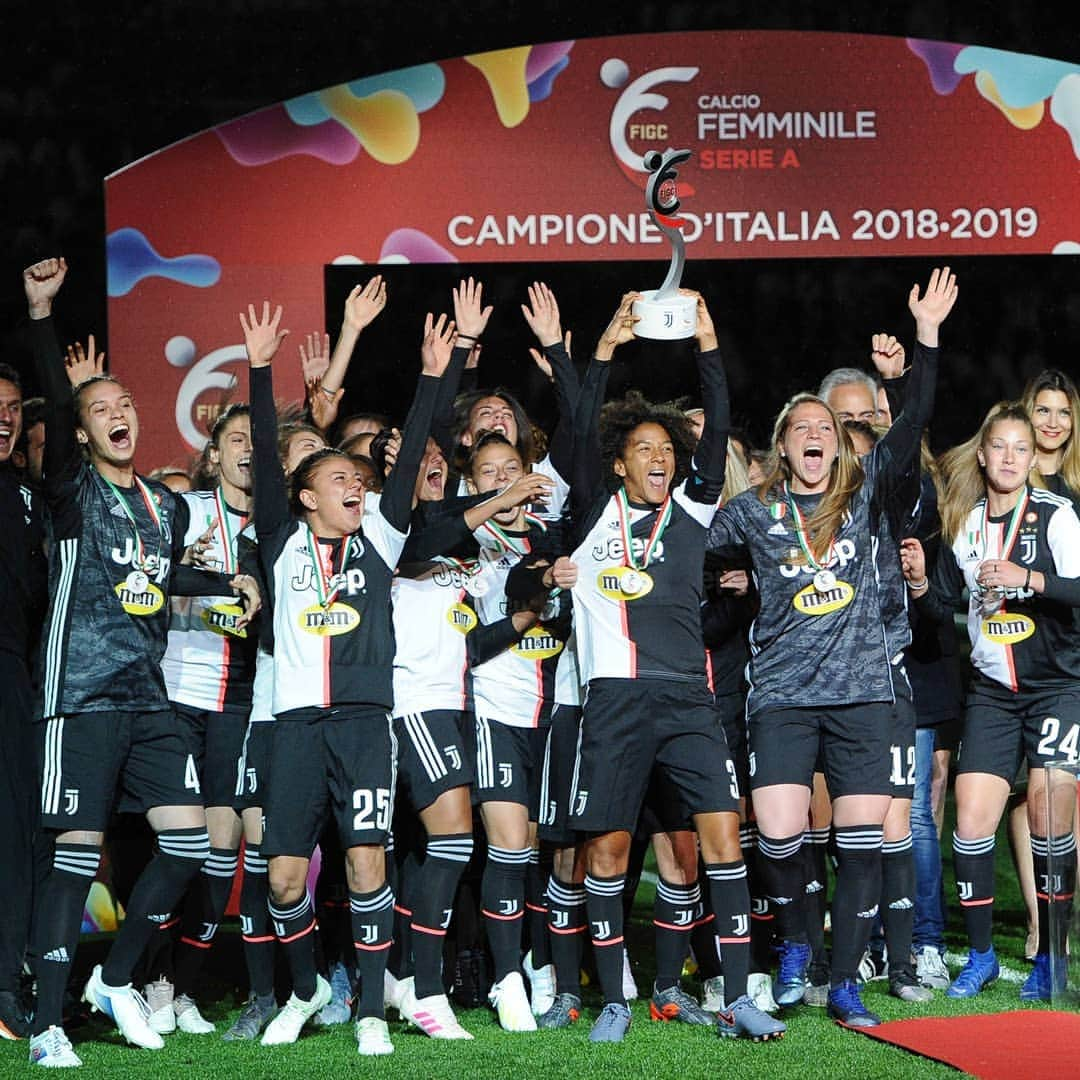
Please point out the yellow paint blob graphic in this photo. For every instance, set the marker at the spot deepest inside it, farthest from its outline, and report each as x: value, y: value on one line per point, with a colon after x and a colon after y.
x: 1025, y: 119
x: 504, y: 70
x: 386, y: 123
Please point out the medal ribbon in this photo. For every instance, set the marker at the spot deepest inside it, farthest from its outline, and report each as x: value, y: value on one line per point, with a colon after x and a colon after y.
x: 228, y: 539
x: 322, y: 578
x: 1010, y: 531
x: 800, y: 534
x: 663, y: 518
x: 152, y: 509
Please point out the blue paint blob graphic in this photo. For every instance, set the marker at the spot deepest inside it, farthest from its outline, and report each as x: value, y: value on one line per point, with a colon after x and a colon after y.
x: 131, y: 257
x: 1021, y: 80
x: 540, y: 88
x: 424, y: 85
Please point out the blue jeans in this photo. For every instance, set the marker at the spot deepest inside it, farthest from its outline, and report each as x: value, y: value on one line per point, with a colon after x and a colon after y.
x: 929, y: 926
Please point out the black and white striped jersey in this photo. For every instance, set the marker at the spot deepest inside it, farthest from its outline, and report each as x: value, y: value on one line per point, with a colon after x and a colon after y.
x: 209, y: 664
x: 1031, y: 640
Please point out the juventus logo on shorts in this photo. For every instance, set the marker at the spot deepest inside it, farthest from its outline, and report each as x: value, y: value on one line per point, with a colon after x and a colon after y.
x: 579, y: 806
x: 506, y: 774
x: 453, y: 757
x: 71, y: 800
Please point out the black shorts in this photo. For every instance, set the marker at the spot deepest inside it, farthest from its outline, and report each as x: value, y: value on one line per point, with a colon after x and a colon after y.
x: 731, y: 708
x: 431, y: 755
x: 253, y: 773
x: 342, y: 765
x: 1002, y: 729
x: 629, y: 727
x: 217, y: 741
x: 902, y: 746
x: 92, y: 760
x: 854, y: 742
x: 560, y: 757
x: 509, y: 764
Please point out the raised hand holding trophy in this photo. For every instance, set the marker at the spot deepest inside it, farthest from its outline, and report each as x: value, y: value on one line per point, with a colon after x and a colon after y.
x: 664, y: 313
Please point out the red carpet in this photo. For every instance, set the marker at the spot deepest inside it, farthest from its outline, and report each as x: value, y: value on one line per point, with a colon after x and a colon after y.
x: 996, y: 1046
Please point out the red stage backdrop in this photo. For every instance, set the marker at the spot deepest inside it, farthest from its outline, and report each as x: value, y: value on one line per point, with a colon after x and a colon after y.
x: 804, y: 145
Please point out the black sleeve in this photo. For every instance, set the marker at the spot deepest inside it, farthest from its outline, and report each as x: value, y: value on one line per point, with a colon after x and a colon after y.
x: 1062, y: 590
x: 271, y: 494
x: 395, y: 504
x: 486, y: 641
x: 442, y: 422
x: 440, y: 529
x: 567, y: 390
x: 706, y: 481
x: 586, y: 481
x: 898, y: 449
x: 62, y: 456
x: 945, y: 594
x: 191, y: 581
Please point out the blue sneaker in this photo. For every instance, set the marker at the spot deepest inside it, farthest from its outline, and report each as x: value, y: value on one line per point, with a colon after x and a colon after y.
x: 612, y: 1024
x: 1038, y: 986
x: 980, y: 970
x: 790, y: 983
x: 845, y: 1006
x: 339, y: 1009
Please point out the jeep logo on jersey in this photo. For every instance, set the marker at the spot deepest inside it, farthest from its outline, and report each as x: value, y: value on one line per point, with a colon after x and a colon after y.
x: 844, y: 551
x: 809, y: 601
x: 328, y: 622
x: 222, y: 619
x: 127, y: 556
x: 461, y: 617
x: 146, y: 602
x: 613, y: 549
x: 538, y: 643
x: 609, y: 582
x: 1008, y: 629
x: 350, y: 582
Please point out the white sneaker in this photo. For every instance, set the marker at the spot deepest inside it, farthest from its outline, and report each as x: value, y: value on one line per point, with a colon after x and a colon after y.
x: 125, y: 1007
x: 930, y: 968
x: 373, y: 1037
x: 629, y: 987
x: 394, y: 990
x: 159, y: 998
x: 541, y: 985
x: 510, y: 1001
x: 189, y: 1019
x: 712, y: 998
x: 52, y: 1050
x: 432, y: 1015
x: 294, y: 1014
x: 759, y: 990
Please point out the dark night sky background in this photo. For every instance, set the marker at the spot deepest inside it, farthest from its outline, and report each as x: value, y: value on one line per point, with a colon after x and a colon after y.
x: 85, y: 91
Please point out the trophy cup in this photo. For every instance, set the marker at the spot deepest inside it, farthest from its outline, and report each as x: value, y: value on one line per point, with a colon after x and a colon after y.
x: 665, y: 314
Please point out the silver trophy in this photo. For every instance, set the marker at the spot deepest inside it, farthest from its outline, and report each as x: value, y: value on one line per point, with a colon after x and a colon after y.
x: 664, y: 313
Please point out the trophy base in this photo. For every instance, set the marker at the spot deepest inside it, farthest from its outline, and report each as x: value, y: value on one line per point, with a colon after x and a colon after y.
x: 670, y: 319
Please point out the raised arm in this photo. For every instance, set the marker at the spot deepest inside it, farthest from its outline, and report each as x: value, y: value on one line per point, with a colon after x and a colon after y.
x: 41, y: 283
x: 262, y: 339
x: 706, y: 480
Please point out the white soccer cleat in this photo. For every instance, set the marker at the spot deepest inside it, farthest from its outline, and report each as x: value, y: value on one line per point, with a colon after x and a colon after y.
x: 52, y: 1050
x: 432, y: 1015
x: 394, y: 990
x: 159, y: 999
x: 125, y: 1007
x: 712, y: 999
x: 189, y: 1019
x: 373, y: 1037
x: 541, y: 985
x: 759, y: 989
x: 511, y: 1003
x: 294, y: 1014
x: 629, y: 987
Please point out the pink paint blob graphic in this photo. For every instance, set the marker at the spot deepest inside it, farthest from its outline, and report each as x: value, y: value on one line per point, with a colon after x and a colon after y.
x: 939, y: 58
x: 415, y: 247
x: 544, y: 57
x: 270, y: 135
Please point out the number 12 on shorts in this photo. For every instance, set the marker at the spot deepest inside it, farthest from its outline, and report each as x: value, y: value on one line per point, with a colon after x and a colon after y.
x: 896, y: 776
x: 372, y: 808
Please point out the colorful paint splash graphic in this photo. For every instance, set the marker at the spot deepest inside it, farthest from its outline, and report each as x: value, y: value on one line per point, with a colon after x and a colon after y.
x: 131, y: 258
x: 1016, y: 84
x: 381, y: 115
